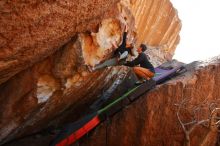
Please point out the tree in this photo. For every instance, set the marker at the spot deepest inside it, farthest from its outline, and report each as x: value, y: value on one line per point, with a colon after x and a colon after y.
x: 203, y: 114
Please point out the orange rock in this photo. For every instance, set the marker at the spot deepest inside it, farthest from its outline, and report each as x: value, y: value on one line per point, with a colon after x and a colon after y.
x: 152, y: 119
x: 32, y: 30
x: 46, y: 47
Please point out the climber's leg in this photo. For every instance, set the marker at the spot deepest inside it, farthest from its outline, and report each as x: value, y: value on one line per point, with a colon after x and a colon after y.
x: 107, y: 63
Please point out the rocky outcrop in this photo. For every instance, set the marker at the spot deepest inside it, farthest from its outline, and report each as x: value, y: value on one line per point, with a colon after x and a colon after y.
x: 46, y: 49
x: 50, y: 87
x: 33, y: 30
x: 152, y: 120
x: 158, y: 25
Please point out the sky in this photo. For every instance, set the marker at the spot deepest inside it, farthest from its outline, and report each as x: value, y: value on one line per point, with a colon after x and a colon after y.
x: 200, y: 33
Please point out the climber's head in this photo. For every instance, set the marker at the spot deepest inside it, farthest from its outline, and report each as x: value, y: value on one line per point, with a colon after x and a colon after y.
x: 142, y: 48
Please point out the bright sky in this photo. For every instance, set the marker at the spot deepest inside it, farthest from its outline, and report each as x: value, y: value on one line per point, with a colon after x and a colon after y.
x: 200, y: 33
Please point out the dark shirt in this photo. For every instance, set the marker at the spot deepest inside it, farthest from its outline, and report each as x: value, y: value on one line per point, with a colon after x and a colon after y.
x: 143, y: 61
x: 122, y: 48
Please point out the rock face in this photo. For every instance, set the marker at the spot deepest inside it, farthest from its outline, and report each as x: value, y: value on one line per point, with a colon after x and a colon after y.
x: 33, y: 30
x: 158, y: 25
x: 47, y: 47
x: 152, y: 120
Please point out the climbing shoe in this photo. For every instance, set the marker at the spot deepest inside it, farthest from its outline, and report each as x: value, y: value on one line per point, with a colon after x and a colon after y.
x: 140, y: 82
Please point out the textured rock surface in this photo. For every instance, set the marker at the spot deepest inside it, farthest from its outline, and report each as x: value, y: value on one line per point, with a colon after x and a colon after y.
x: 46, y: 47
x: 158, y: 25
x: 32, y: 30
x: 152, y: 120
x: 48, y: 88
x: 35, y: 30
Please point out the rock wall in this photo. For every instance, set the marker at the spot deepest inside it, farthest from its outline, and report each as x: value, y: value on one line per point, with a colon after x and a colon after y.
x: 152, y: 119
x: 158, y: 25
x: 33, y: 30
x: 46, y: 50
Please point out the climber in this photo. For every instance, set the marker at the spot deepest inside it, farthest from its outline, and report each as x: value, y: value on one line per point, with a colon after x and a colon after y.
x: 124, y: 49
x: 146, y: 70
x: 120, y: 53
